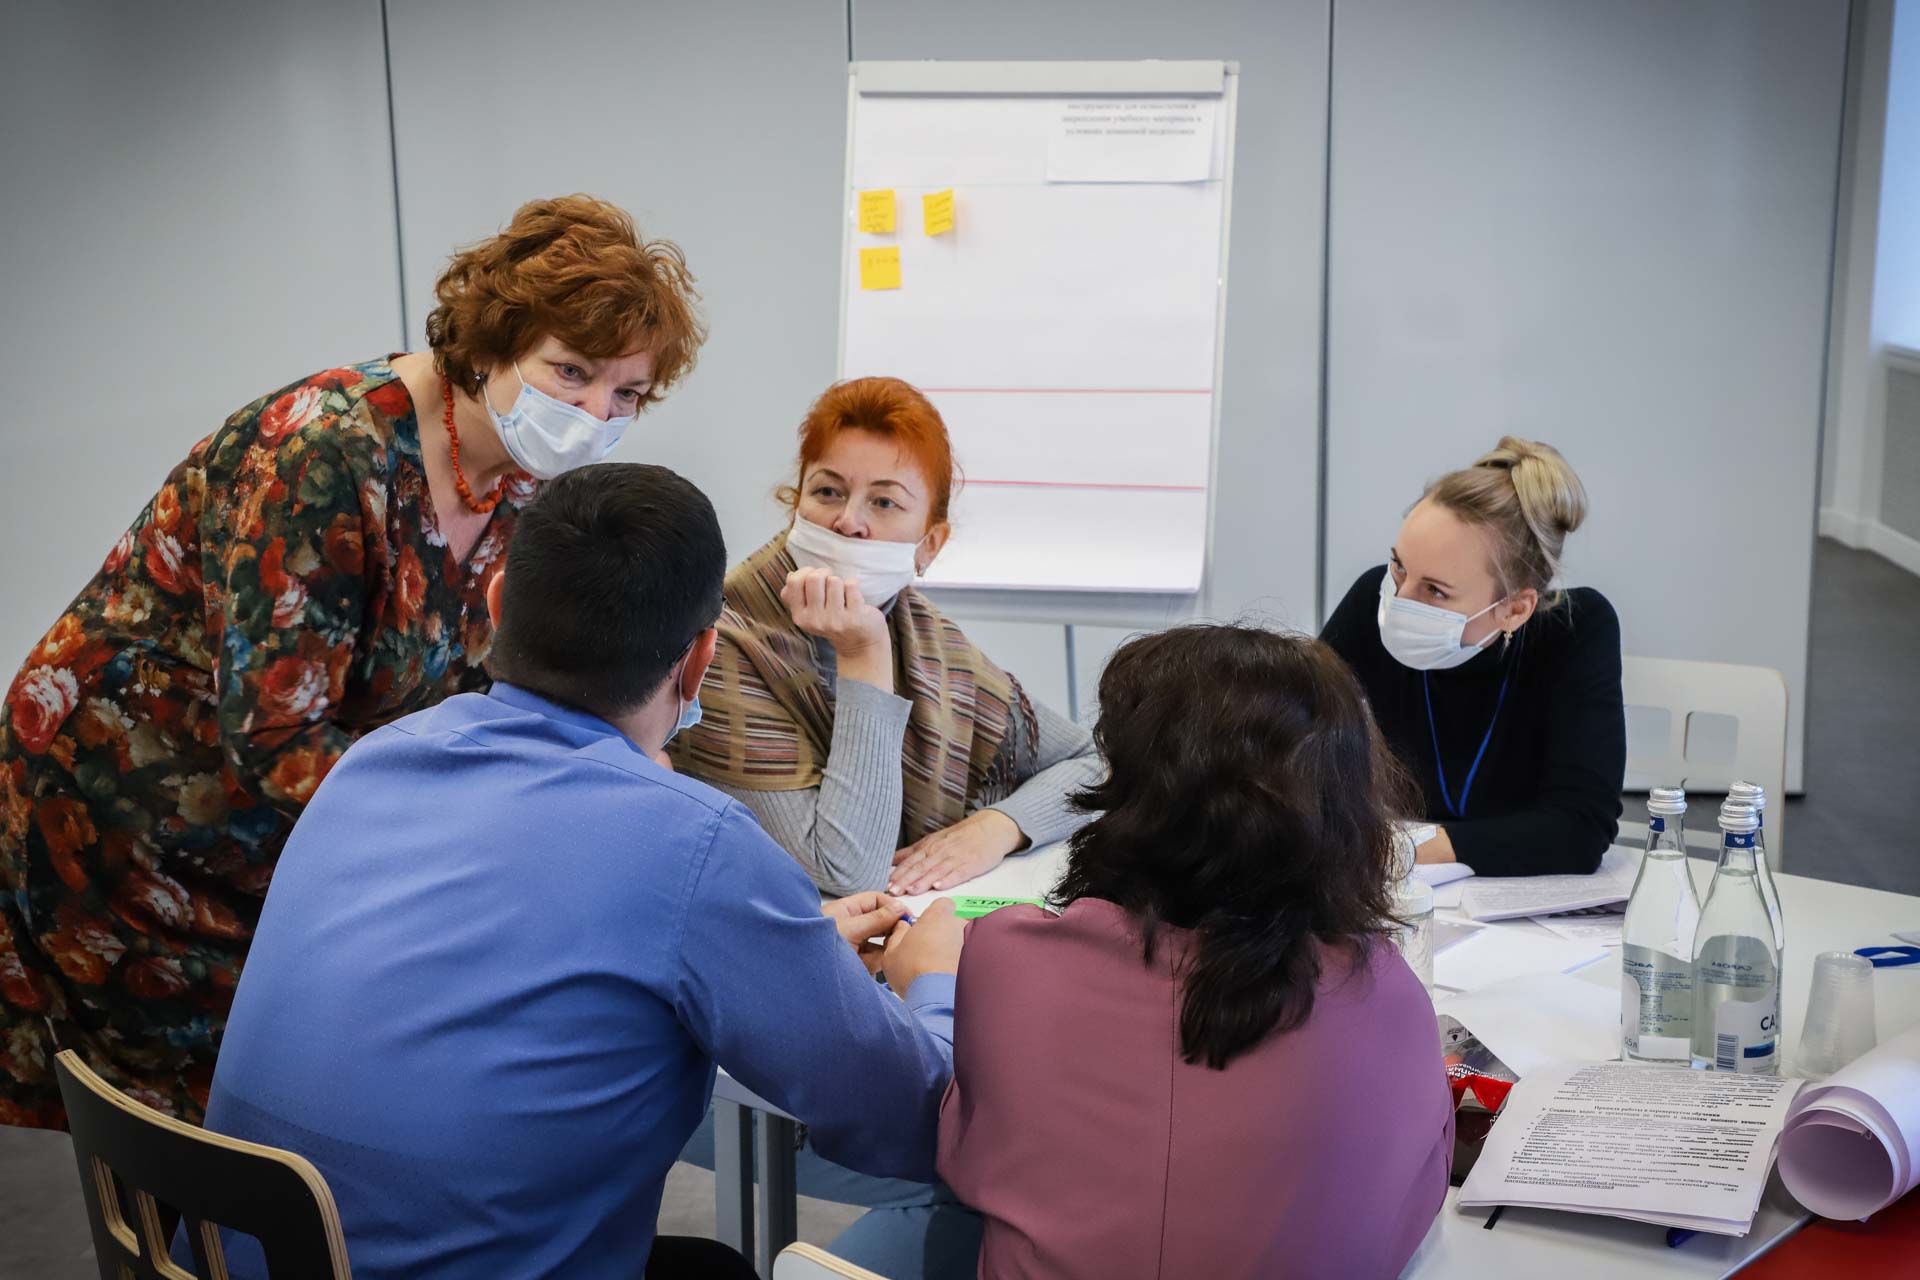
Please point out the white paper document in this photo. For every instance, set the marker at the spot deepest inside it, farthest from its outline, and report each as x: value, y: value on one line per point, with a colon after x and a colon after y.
x: 1852, y: 1145
x: 1497, y: 953
x: 1132, y: 140
x: 1545, y: 1018
x: 1439, y: 873
x: 1602, y: 928
x: 1508, y: 897
x: 1665, y: 1145
x: 1032, y: 874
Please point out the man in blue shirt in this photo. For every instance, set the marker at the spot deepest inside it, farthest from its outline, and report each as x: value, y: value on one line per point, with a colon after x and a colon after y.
x: 505, y: 946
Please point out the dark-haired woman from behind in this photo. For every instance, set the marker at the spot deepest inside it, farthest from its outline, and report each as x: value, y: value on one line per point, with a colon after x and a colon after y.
x: 1211, y: 1062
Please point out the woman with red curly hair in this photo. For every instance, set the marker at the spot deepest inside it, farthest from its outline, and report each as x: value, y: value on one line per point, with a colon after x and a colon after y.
x: 871, y: 738
x: 316, y: 567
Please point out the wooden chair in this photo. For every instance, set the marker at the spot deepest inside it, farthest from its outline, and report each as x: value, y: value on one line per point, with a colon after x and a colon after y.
x: 135, y: 1161
x: 1754, y: 697
x: 805, y: 1262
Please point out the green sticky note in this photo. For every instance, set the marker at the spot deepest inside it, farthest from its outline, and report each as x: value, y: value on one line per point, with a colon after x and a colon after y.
x: 969, y: 908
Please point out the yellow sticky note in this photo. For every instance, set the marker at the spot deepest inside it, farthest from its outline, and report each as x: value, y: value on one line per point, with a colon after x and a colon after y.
x: 936, y: 212
x: 880, y: 268
x: 876, y: 211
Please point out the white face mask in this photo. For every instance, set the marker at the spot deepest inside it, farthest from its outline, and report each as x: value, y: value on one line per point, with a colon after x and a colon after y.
x: 1425, y: 636
x: 547, y: 437
x: 883, y: 568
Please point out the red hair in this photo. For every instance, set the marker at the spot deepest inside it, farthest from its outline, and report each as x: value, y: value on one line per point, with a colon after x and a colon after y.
x: 886, y: 407
x: 576, y: 269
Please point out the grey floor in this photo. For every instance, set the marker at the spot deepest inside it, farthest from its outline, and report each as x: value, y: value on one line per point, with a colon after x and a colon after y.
x: 43, y: 1222
x: 1855, y: 824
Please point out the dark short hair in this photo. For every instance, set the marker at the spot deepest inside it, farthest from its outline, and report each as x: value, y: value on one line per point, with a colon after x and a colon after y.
x: 614, y: 569
x: 1250, y: 799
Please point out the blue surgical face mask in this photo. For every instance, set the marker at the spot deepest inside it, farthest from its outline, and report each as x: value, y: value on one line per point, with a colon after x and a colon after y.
x: 689, y: 708
x: 547, y: 437
x: 689, y: 717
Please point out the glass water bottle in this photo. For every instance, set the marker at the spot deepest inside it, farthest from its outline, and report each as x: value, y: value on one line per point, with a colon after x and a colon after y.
x: 1736, y: 964
x: 1656, y: 958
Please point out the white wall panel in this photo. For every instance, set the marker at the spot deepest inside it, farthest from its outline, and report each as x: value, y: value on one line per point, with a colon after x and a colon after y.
x: 197, y: 208
x: 721, y: 127
x: 1607, y: 226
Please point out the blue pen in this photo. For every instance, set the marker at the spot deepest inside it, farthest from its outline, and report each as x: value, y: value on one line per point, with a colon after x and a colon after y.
x: 1677, y: 1236
x: 881, y: 977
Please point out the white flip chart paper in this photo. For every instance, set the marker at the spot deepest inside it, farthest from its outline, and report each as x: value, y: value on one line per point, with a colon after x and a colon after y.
x: 1145, y: 140
x: 1852, y: 1145
x: 1076, y: 372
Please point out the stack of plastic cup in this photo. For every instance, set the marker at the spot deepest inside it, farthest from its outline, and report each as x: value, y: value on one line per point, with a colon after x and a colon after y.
x: 1413, y: 903
x: 1839, y: 1022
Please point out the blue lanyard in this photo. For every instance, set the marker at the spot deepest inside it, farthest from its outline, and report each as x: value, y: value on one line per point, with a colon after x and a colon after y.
x: 1459, y: 811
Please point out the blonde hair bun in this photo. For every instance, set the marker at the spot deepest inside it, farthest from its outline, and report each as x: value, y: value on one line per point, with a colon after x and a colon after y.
x: 1532, y: 499
x: 1550, y: 492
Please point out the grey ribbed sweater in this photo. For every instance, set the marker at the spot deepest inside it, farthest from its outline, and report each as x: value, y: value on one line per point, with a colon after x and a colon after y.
x: 844, y: 831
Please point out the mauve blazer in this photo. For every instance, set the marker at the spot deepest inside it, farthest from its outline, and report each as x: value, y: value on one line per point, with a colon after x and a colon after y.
x: 1093, y: 1150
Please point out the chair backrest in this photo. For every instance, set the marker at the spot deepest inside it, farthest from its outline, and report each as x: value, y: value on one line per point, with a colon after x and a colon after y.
x: 805, y: 1262
x: 135, y: 1162
x: 1663, y: 754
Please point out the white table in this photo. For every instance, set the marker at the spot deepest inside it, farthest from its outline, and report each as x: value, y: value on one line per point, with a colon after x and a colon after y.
x: 1820, y: 916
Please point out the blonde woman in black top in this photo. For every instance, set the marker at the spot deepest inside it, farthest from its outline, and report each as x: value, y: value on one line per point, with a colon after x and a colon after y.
x: 1498, y: 690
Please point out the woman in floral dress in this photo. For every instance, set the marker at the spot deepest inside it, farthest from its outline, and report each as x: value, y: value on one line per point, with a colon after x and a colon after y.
x: 314, y: 569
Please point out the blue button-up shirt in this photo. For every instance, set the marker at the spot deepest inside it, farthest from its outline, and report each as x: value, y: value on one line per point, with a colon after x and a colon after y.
x: 503, y: 952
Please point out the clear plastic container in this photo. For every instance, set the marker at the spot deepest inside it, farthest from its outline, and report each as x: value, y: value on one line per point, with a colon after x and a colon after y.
x: 1413, y: 903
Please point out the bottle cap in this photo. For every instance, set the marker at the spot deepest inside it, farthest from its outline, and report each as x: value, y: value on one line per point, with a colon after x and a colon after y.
x: 1738, y: 817
x: 1748, y: 793
x: 1667, y: 802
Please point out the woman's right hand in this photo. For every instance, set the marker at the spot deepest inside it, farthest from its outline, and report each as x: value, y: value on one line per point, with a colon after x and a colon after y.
x: 833, y: 609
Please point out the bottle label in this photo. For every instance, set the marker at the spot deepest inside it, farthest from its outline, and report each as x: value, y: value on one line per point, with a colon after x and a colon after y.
x: 1736, y: 978
x: 1656, y: 1004
x: 1744, y: 1039
x: 1656, y: 823
x: 1740, y: 839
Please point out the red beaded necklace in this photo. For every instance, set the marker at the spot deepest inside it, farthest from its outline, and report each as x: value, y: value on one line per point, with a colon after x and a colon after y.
x: 480, y: 506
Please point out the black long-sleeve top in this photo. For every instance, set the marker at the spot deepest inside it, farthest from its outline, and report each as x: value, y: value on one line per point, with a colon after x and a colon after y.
x: 1546, y: 798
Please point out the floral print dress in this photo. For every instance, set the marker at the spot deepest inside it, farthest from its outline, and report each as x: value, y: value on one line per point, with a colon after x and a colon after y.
x: 285, y: 591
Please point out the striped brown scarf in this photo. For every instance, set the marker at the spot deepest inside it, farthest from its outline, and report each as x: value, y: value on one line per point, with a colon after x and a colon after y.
x: 768, y: 722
